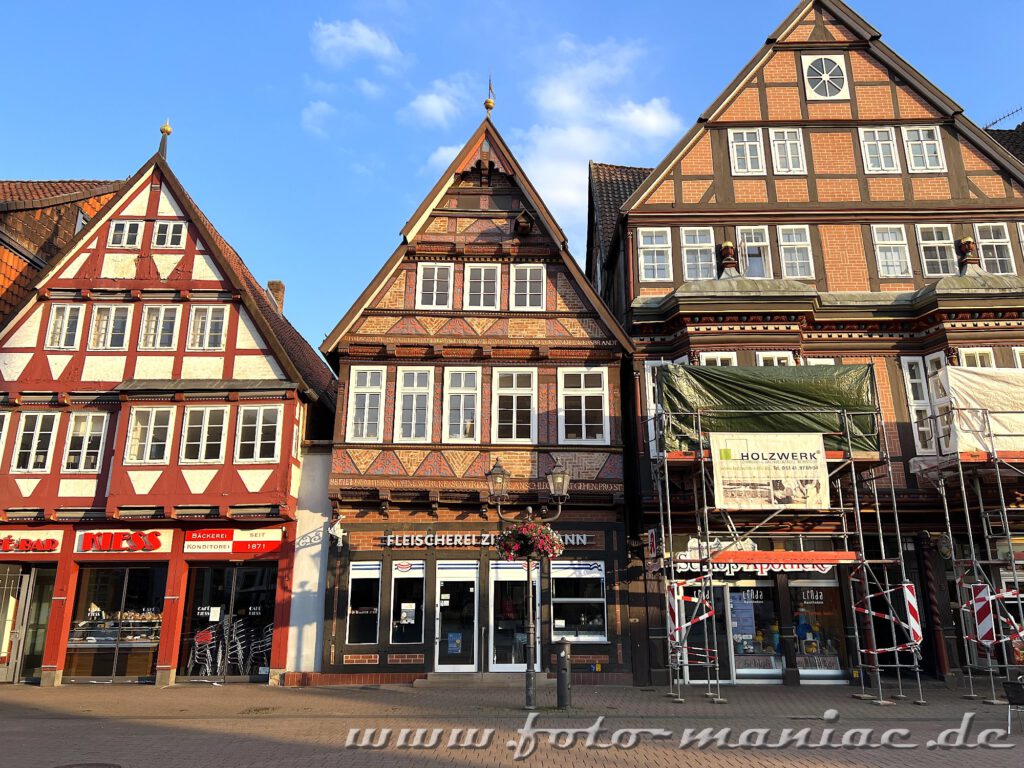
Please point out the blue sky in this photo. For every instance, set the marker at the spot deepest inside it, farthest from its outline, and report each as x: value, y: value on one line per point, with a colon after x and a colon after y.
x: 309, y: 132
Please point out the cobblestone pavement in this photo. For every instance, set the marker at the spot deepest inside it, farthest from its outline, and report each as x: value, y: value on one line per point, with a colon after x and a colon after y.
x: 239, y: 726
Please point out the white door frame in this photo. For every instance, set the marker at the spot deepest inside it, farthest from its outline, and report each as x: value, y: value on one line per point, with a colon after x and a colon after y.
x: 457, y: 570
x: 512, y: 571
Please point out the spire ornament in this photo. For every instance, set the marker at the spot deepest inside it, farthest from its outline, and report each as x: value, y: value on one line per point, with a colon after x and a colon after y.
x: 165, y: 131
x: 489, y: 101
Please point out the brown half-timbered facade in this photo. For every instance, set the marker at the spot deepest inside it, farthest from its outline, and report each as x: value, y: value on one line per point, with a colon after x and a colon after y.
x: 478, y: 341
x: 156, y: 469
x: 831, y: 206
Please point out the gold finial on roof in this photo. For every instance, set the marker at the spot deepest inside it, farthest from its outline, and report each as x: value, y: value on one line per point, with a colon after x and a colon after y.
x: 166, y: 129
x: 489, y: 101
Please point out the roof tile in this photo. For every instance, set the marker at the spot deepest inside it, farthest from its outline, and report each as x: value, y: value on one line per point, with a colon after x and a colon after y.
x: 611, y: 186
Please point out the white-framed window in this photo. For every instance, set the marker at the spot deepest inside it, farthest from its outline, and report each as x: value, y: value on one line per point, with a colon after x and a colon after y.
x: 433, y: 286
x: 787, y: 151
x: 514, y: 405
x: 529, y: 282
x: 258, y: 436
x: 698, y: 253
x: 5, y: 419
x: 461, y: 410
x: 64, y: 327
x: 583, y: 406
x: 33, y: 447
x: 755, y: 252
x: 149, y: 436
x: 938, y: 253
x: 916, y: 379
x: 976, y: 357
x: 578, y: 601
x: 994, y: 248
x: 746, y: 152
x: 207, y: 327
x: 775, y: 359
x: 125, y: 234
x: 891, y: 251
x: 923, y: 145
x: 1018, y: 360
x: 109, y: 329
x: 819, y: 361
x: 407, y: 591
x: 651, y: 376
x: 414, y: 401
x: 482, y: 289
x: 720, y: 359
x: 202, y: 441
x: 169, y: 234
x: 363, y: 603
x: 878, y: 148
x: 825, y: 77
x: 366, y: 404
x: 84, y: 448
x: 159, y: 327
x: 795, y: 251
x: 655, y: 252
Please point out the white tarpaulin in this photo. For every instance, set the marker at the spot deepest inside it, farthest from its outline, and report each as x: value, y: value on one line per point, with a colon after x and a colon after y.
x: 988, y: 407
x: 769, y: 471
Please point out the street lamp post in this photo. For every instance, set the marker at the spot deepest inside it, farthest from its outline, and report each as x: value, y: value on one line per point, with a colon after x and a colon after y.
x: 558, y: 487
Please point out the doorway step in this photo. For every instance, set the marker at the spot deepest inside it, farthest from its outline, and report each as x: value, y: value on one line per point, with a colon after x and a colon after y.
x: 480, y: 679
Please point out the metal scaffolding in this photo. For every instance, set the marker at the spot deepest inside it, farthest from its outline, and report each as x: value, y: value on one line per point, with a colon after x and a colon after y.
x: 863, y: 518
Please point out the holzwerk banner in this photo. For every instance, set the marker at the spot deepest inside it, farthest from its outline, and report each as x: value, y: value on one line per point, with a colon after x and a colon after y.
x: 769, y: 471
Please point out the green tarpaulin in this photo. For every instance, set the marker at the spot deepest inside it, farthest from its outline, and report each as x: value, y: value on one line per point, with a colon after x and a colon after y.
x: 769, y: 399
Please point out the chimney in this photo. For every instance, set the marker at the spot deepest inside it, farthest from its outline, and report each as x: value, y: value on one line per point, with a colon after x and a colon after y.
x: 276, y: 289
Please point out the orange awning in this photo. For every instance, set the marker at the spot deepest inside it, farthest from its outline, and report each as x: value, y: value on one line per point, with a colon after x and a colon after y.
x: 784, y: 558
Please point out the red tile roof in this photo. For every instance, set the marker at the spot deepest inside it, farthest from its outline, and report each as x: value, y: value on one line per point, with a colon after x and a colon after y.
x: 14, y: 194
x: 611, y: 186
x: 1011, y: 138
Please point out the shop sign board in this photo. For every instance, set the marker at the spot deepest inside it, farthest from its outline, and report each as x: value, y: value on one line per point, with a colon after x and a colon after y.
x: 123, y: 542
x: 769, y: 471
x: 442, y: 540
x: 28, y: 542
x: 233, y: 541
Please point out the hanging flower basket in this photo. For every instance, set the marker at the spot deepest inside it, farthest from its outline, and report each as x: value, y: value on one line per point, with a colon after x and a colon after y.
x: 528, y: 540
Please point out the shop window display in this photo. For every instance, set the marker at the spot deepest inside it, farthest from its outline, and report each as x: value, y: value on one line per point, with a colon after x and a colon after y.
x: 757, y: 644
x: 818, y: 625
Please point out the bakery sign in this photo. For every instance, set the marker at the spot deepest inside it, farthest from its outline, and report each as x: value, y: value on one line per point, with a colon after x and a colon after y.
x: 29, y: 542
x: 233, y: 541
x: 123, y: 542
x: 443, y: 540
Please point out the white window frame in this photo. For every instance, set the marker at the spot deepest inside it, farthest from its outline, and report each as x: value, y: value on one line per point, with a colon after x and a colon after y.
x: 204, y: 434
x: 1018, y: 361
x: 259, y: 429
x: 806, y: 243
x: 148, y: 443
x: 907, y: 142
x: 977, y: 353
x: 650, y: 376
x: 417, y: 570
x: 427, y: 392
x: 762, y: 358
x: 90, y: 416
x: 819, y: 361
x: 6, y: 417
x: 584, y: 391
x: 78, y: 311
x: 1008, y: 242
x: 700, y: 250
x: 171, y: 225
x: 706, y: 358
x: 948, y: 241
x: 436, y: 265
x: 908, y: 270
x: 891, y: 142
x: 840, y: 61
x: 746, y: 143
x: 766, y: 248
x: 598, y: 566
x: 784, y: 144
x: 642, y: 253
x: 205, y: 346
x: 22, y: 417
x: 127, y: 226
x: 919, y: 408
x: 514, y: 278
x: 113, y: 309
x: 354, y: 391
x: 495, y: 394
x: 361, y: 569
x: 466, y: 293
x: 161, y: 310
x: 462, y: 391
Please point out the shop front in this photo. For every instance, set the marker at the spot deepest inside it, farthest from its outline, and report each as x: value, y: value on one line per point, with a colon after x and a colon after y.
x: 144, y: 605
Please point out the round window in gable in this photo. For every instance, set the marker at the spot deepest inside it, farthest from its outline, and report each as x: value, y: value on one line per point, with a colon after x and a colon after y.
x: 826, y: 77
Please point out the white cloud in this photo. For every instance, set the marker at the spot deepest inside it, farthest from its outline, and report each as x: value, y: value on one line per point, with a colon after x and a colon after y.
x: 441, y: 157
x: 369, y: 88
x: 315, y: 117
x: 319, y: 87
x: 336, y: 43
x: 438, y: 105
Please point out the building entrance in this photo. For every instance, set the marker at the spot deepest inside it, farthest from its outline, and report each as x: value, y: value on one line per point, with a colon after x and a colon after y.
x: 456, y: 611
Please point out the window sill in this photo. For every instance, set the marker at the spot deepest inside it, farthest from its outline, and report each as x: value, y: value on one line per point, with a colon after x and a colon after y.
x: 583, y: 640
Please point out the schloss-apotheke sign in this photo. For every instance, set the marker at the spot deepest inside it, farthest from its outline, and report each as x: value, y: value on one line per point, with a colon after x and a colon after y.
x: 440, y: 540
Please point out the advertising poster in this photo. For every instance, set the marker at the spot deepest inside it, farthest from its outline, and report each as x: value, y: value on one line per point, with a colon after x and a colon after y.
x: 769, y: 471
